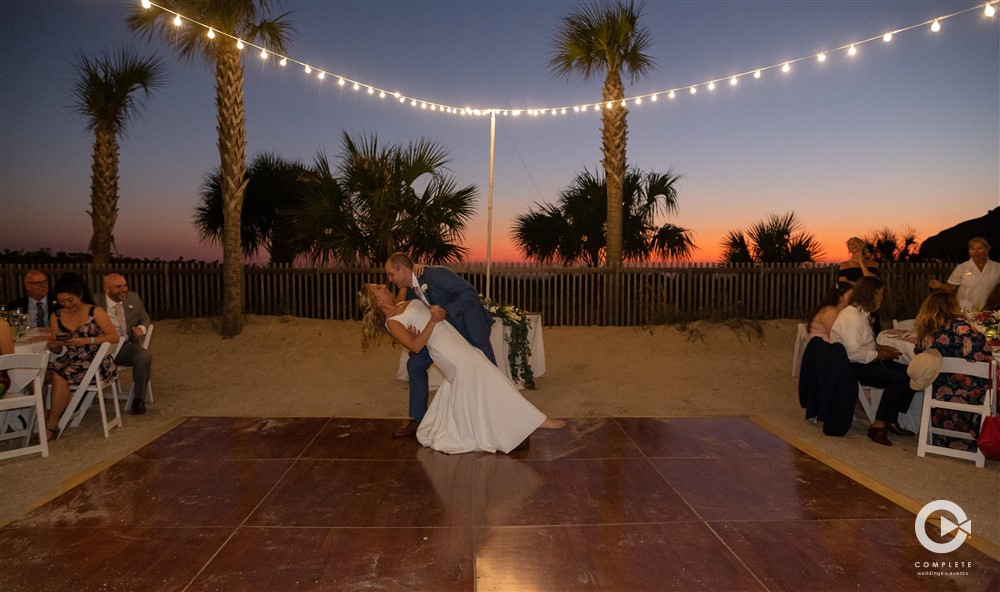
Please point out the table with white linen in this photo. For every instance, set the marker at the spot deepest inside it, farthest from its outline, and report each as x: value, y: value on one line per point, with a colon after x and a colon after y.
x: 905, y: 341
x: 499, y: 336
x: 33, y: 342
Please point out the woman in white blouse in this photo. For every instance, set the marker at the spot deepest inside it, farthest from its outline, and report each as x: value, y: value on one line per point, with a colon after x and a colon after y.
x: 874, y: 365
x: 973, y: 279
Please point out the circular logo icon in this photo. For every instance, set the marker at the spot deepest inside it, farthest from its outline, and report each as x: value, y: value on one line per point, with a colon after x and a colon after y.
x: 961, y: 523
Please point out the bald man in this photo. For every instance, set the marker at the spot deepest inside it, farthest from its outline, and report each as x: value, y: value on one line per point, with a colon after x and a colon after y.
x: 130, y: 319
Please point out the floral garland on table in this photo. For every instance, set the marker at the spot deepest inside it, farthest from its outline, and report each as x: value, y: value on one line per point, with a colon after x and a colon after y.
x: 519, y: 350
x: 987, y: 322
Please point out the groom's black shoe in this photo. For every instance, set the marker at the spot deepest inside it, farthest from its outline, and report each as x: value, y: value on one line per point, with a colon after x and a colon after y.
x: 409, y: 431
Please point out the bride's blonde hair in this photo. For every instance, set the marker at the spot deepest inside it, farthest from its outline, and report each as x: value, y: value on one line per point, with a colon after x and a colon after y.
x: 372, y: 319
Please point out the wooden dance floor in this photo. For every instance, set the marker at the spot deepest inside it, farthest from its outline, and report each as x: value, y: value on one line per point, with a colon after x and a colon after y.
x: 715, y: 503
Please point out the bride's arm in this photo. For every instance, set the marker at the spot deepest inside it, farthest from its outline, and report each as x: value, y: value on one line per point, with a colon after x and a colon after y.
x: 410, y: 342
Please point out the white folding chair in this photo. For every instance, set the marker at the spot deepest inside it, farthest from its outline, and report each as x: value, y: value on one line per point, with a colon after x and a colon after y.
x: 801, y: 338
x: 149, y: 387
x: 905, y: 324
x: 24, y: 370
x: 82, y: 395
x: 955, y: 366
x: 869, y: 397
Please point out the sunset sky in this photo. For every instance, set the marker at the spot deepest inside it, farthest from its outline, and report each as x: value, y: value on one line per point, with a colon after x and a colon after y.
x: 904, y: 133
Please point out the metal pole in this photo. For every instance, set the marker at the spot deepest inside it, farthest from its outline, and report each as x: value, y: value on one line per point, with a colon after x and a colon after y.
x: 489, y: 206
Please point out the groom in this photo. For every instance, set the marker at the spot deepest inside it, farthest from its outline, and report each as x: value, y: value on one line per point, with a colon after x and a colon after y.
x: 451, y: 296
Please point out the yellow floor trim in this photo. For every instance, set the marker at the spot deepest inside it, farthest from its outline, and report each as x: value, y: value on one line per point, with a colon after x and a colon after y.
x: 978, y: 543
x: 96, y: 469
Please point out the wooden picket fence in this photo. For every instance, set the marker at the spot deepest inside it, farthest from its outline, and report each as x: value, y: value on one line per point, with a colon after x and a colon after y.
x: 645, y: 295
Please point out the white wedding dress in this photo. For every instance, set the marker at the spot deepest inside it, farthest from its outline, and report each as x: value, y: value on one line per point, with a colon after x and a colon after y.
x: 477, y: 406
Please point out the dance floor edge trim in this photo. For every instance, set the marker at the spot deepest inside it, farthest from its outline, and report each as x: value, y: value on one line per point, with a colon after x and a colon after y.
x: 979, y: 543
x: 985, y: 546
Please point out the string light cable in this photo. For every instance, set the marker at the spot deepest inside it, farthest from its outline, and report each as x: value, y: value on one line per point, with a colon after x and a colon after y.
x: 849, y: 49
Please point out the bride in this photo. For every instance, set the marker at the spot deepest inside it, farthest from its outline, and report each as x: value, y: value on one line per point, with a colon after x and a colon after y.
x: 476, y: 407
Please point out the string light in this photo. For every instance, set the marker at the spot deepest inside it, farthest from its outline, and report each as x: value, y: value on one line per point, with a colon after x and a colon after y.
x: 851, y: 50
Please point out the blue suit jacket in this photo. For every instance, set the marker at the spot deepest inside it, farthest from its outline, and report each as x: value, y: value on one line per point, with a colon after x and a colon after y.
x: 465, y: 312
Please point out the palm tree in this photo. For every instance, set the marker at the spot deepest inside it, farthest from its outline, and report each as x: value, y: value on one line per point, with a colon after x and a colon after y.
x: 606, y: 39
x: 233, y: 19
x: 887, y: 245
x: 273, y: 189
x: 573, y: 230
x: 383, y: 200
x: 777, y: 239
x: 106, y: 94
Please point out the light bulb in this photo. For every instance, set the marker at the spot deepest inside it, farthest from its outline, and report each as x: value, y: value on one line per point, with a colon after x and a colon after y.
x: 609, y: 105
x: 211, y: 34
x: 638, y: 100
x: 423, y: 105
x: 821, y: 57
x: 711, y: 86
x: 563, y: 112
x: 887, y: 37
x: 653, y: 98
x: 935, y: 26
x: 733, y: 81
x: 381, y: 95
x: 694, y: 90
x: 371, y: 90
x: 239, y: 44
x: 177, y: 20
x: 597, y: 107
x: 322, y: 75
x: 413, y: 103
x: 146, y: 4
x: 786, y: 67
x: 263, y: 54
x: 340, y: 81
x: 989, y: 10
x: 671, y: 95
x: 623, y: 103
x: 308, y: 69
x: 853, y: 50
x: 356, y: 86
x: 756, y: 74
x: 284, y: 61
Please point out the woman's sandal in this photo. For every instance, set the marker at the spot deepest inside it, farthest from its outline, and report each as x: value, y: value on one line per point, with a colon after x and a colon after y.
x: 50, y: 433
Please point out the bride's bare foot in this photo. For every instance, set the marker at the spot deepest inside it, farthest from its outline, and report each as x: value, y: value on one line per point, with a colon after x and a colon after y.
x: 553, y: 424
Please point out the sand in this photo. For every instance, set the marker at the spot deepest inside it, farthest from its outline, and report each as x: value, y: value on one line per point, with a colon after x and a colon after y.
x: 292, y: 367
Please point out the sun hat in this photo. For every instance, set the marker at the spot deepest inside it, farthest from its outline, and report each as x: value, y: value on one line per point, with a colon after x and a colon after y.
x: 924, y: 369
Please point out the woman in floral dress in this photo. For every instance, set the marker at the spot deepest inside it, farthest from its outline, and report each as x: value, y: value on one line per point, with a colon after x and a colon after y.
x: 940, y: 327
x: 78, y: 328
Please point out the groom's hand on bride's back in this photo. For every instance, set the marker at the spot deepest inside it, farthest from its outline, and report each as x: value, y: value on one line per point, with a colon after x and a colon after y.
x: 438, y: 314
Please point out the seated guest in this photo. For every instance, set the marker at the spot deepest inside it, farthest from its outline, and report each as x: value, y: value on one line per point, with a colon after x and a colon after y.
x: 38, y: 303
x: 940, y: 327
x: 131, y: 321
x: 820, y: 322
x: 974, y: 279
x: 993, y: 300
x: 6, y: 338
x: 874, y: 364
x: 79, y: 328
x: 858, y: 265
